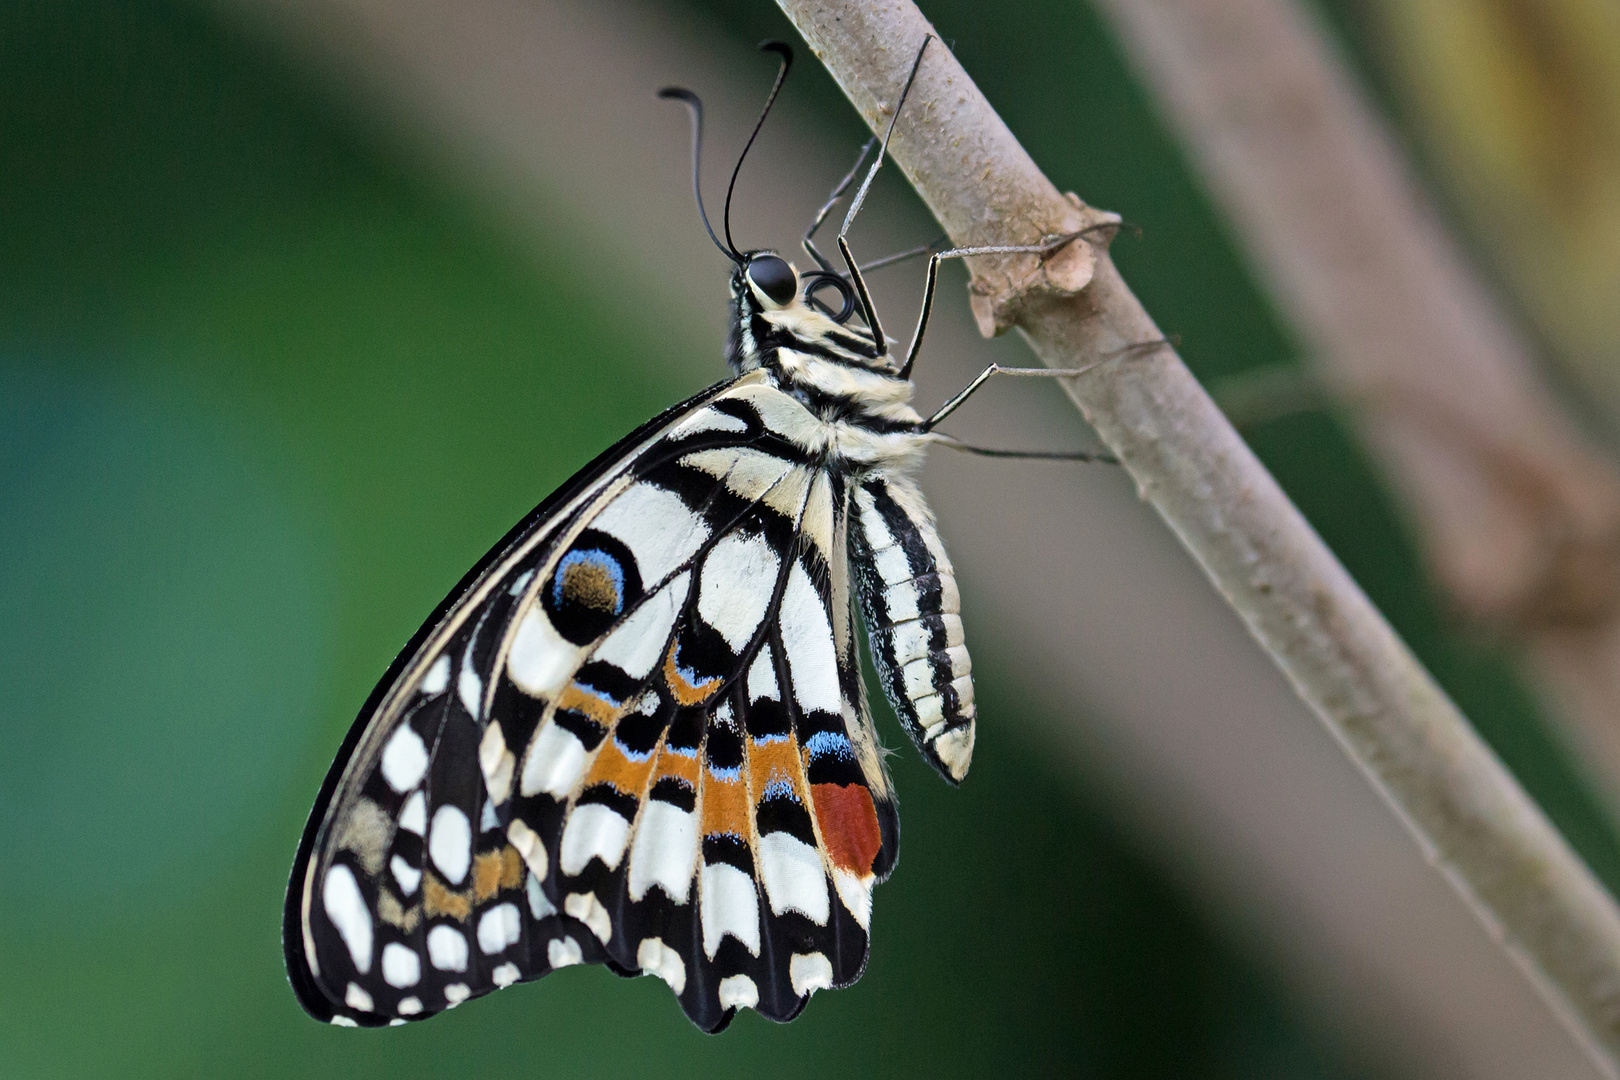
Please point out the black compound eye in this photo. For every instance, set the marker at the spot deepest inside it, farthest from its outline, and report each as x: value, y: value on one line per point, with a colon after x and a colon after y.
x: 773, y: 277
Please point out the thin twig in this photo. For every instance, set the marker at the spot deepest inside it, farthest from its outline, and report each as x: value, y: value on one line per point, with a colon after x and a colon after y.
x: 1471, y: 818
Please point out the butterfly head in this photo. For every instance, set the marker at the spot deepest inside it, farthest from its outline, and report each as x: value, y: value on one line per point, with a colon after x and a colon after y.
x: 774, y: 307
x: 771, y: 279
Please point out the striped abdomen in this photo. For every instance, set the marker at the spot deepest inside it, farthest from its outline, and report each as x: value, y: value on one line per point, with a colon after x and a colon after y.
x: 907, y: 593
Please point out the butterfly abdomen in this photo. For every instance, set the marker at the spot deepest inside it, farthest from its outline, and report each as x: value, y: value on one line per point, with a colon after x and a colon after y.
x: 907, y: 591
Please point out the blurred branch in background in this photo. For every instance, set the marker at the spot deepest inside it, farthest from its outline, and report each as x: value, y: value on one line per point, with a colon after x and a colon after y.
x: 1517, y: 510
x: 1519, y: 108
x: 1484, y: 833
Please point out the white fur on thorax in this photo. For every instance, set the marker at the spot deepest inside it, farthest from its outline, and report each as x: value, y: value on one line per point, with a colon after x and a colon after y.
x: 879, y: 393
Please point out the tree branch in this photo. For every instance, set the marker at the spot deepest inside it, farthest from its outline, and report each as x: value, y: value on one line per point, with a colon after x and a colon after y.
x: 1469, y: 815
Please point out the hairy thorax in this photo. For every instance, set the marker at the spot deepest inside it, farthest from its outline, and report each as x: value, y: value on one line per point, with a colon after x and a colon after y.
x: 860, y: 404
x: 865, y: 416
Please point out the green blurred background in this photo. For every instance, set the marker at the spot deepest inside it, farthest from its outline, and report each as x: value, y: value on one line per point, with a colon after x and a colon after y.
x: 268, y: 385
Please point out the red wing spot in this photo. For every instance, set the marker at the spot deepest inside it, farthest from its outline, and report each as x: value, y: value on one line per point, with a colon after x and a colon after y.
x: 849, y: 825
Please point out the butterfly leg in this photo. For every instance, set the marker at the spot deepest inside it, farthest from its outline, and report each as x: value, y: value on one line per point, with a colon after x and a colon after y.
x: 1138, y: 349
x: 913, y: 253
x: 1094, y: 456
x: 832, y: 200
x: 1046, y: 249
x: 868, y: 311
x: 996, y: 369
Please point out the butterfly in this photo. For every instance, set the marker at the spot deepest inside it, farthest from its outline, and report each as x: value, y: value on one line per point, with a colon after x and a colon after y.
x: 636, y: 734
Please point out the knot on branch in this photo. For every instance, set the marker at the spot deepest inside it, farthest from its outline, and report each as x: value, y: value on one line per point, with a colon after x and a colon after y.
x: 1001, y: 292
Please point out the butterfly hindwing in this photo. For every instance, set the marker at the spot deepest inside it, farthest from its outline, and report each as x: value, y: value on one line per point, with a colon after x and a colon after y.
x: 635, y: 736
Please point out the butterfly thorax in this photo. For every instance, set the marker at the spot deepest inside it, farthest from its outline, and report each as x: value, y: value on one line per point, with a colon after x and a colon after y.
x: 832, y: 368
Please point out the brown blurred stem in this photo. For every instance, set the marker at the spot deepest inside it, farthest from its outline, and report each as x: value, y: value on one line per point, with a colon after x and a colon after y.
x: 1468, y: 814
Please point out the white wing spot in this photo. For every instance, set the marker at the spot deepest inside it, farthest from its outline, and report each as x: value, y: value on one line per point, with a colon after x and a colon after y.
x: 489, y: 820
x: 762, y: 677
x: 729, y: 905
x: 855, y: 890
x: 738, y: 992
x: 554, y: 763
x: 401, y: 967
x: 346, y: 907
x: 784, y: 416
x: 716, y: 463
x: 656, y: 958
x: 793, y: 876
x: 540, y: 661
x: 456, y: 993
x: 539, y: 905
x: 497, y: 764
x: 521, y: 583
x: 408, y: 876
x: 344, y: 1021
x: 808, y: 642
x: 447, y: 948
x: 409, y: 1006
x: 499, y: 927
x: 404, y: 759
x: 787, y: 496
x: 593, y: 831
x: 450, y: 843
x: 809, y: 972
x: 437, y: 677
x: 528, y: 845
x: 656, y: 526
x: 708, y: 420
x: 413, y: 817
x: 564, y: 952
x: 638, y: 642
x: 505, y: 975
x: 664, y: 852
x: 755, y: 474
x: 355, y: 997
x: 589, y: 910
x: 817, y: 520
x: 470, y: 688
x: 735, y: 587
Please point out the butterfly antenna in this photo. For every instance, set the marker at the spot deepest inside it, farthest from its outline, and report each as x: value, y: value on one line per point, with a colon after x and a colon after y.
x: 883, y: 151
x: 692, y: 102
x: 786, y: 53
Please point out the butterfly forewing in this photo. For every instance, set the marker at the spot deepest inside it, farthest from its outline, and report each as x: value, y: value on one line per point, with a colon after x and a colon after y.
x: 635, y: 736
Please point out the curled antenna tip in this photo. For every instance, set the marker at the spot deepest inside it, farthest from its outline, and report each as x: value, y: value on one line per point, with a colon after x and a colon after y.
x: 780, y: 48
x: 695, y: 104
